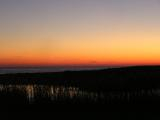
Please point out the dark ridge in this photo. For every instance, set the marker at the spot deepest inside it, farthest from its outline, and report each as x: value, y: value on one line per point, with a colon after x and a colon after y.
x: 126, y: 78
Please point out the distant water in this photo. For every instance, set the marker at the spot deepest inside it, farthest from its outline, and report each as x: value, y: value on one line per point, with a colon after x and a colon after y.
x: 45, y: 69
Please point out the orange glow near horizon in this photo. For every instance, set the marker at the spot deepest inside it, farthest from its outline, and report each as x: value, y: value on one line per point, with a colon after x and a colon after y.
x: 119, y: 51
x: 90, y: 33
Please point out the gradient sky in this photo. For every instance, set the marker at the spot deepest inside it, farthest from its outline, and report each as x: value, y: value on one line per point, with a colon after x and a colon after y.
x: 79, y: 32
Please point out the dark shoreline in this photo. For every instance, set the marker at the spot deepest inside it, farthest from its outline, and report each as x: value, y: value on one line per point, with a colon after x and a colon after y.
x: 127, y: 79
x: 113, y: 78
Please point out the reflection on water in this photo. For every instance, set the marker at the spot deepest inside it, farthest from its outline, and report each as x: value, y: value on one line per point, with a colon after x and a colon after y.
x: 53, y: 93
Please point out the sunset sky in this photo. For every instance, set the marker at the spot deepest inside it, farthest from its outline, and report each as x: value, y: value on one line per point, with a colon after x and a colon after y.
x: 79, y: 32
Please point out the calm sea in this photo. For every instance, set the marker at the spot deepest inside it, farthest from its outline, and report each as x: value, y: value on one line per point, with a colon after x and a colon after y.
x: 45, y: 69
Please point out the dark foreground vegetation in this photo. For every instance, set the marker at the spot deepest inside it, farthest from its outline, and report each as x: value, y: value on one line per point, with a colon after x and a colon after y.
x: 129, y: 88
